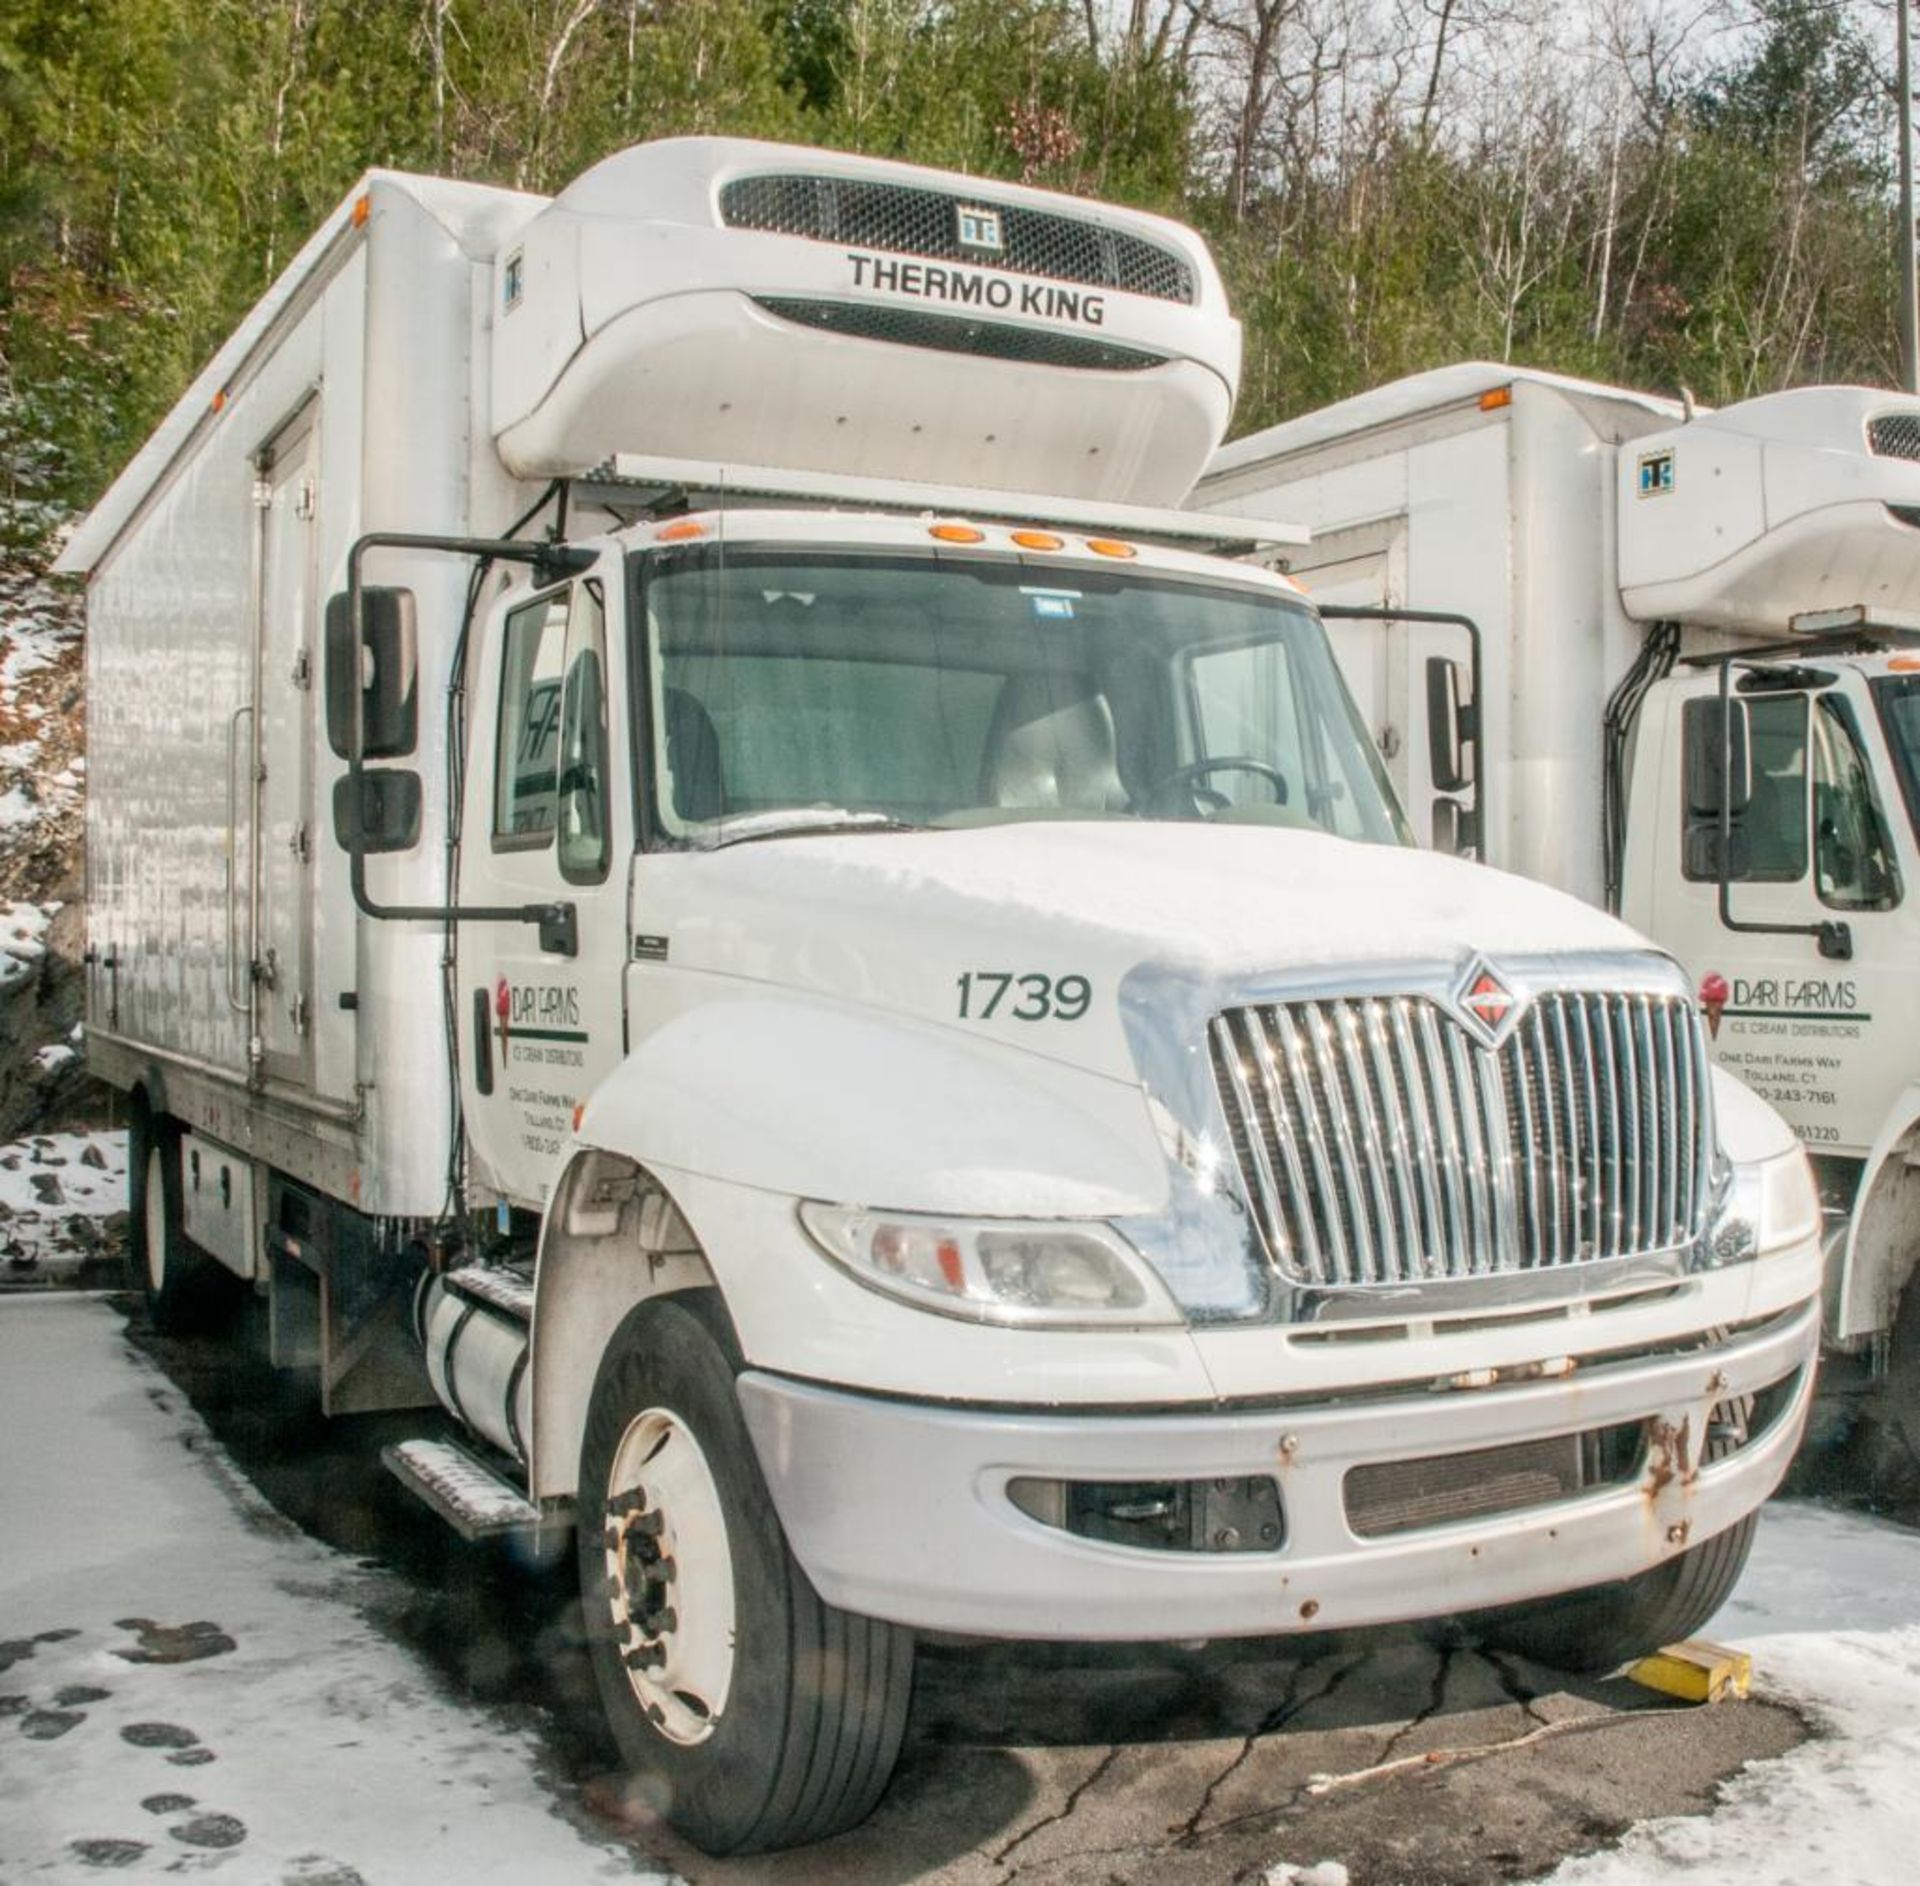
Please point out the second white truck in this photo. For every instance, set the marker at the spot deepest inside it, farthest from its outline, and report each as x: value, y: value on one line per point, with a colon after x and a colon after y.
x: 685, y: 865
x: 1662, y: 600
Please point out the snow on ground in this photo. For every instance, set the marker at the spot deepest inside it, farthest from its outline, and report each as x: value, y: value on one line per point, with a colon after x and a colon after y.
x: 1830, y: 1608
x: 57, y: 1190
x: 23, y: 929
x: 187, y: 1682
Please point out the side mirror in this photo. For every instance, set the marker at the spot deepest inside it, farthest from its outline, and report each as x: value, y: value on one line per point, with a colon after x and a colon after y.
x: 1453, y: 725
x: 383, y: 664
x: 387, y: 815
x: 1709, y: 737
x: 1456, y: 831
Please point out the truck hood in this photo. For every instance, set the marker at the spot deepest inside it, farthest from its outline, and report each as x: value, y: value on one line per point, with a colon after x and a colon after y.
x: 925, y: 923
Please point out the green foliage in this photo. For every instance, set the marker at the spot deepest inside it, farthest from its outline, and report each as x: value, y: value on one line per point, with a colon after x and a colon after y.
x: 161, y: 161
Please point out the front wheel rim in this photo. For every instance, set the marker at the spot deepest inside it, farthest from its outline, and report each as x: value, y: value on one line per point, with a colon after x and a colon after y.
x: 669, y: 1568
x: 154, y: 1217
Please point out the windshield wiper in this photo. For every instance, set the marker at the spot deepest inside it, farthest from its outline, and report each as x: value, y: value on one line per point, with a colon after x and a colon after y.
x: 798, y: 820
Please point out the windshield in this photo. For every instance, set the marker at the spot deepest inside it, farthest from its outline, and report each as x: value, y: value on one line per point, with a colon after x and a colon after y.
x: 796, y: 691
x: 1898, y: 698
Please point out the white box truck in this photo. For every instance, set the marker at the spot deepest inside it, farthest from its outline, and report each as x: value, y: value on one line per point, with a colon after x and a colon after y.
x: 1666, y: 599
x: 668, y: 872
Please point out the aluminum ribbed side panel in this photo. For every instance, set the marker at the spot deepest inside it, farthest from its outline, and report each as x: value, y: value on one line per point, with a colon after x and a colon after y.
x: 1381, y: 1142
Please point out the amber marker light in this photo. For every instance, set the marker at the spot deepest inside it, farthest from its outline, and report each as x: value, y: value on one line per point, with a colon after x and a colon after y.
x: 1904, y: 665
x: 1038, y: 540
x: 1110, y: 547
x: 956, y: 533
x: 679, y: 533
x: 362, y: 209
x: 1495, y: 397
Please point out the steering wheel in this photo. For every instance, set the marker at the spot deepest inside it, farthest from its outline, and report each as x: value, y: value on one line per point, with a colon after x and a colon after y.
x: 1196, y: 770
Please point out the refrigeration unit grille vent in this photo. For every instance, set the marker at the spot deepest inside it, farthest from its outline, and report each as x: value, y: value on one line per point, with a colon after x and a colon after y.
x: 904, y: 220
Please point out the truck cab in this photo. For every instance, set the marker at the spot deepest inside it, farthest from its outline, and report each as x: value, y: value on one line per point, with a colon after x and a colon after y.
x: 1808, y: 959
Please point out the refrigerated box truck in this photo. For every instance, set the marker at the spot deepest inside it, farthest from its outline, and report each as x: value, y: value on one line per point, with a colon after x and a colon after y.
x: 668, y: 874
x: 1661, y: 599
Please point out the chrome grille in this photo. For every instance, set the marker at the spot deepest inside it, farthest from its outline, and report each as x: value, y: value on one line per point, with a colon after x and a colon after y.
x: 1895, y: 435
x: 905, y: 220
x: 1380, y: 1142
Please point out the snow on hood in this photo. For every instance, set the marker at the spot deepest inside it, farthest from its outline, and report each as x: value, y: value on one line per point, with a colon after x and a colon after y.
x: 1223, y: 899
x: 895, y: 919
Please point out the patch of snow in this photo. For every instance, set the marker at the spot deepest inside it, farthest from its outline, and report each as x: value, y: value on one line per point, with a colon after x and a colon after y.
x: 315, y: 1746
x: 55, y: 1189
x: 16, y: 808
x: 53, y: 1057
x: 1321, y: 1873
x: 23, y: 929
x: 1830, y: 1610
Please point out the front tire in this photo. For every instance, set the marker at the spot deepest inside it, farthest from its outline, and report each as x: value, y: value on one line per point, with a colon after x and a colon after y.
x: 180, y: 1282
x: 1596, y: 1630
x: 752, y: 1714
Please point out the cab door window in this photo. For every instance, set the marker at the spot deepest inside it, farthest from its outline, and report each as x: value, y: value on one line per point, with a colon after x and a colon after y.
x: 551, y: 759
x: 528, y: 748
x: 1768, y: 834
x: 581, y: 788
x: 1852, y: 847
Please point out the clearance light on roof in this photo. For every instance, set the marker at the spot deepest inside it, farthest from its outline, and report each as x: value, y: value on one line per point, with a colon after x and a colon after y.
x: 956, y: 533
x: 1905, y: 664
x: 1110, y: 547
x: 1038, y: 540
x: 1495, y: 397
x: 362, y: 209
x: 679, y: 533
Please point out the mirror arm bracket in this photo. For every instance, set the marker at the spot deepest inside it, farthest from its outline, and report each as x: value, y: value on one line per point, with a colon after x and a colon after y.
x: 558, y: 923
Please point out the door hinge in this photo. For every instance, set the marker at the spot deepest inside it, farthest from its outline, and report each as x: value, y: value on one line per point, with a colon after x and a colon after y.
x: 303, y: 500
x: 299, y: 844
x: 262, y: 495
x: 302, y: 669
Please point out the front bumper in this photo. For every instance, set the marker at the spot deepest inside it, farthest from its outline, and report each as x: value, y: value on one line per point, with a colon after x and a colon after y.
x: 900, y: 1510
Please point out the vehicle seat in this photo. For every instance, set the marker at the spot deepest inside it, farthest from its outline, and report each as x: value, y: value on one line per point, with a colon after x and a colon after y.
x: 1052, y: 744
x: 693, y: 758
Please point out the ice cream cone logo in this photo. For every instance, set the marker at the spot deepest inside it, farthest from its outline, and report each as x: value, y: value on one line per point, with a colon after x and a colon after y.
x: 503, y: 1012
x: 1713, y: 1000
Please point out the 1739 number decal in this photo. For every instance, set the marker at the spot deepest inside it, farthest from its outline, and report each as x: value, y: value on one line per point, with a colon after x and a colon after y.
x: 987, y: 992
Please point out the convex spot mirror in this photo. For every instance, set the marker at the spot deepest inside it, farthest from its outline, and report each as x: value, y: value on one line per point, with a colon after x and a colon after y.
x: 385, y: 671
x: 1456, y: 830
x: 386, y: 816
x: 1453, y: 726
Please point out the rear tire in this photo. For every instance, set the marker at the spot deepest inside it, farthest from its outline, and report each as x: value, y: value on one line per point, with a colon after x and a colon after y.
x: 179, y: 1281
x: 1596, y: 1630
x: 752, y: 1714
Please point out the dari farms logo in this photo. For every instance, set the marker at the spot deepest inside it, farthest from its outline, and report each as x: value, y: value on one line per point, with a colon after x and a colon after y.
x: 1485, y: 1003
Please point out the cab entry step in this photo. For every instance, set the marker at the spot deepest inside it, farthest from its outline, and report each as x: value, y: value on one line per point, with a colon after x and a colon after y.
x: 473, y: 1499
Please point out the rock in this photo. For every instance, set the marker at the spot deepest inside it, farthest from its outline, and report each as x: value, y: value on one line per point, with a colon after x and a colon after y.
x: 46, y: 1188
x: 49, y: 1725
x: 91, y: 1155
x: 107, y: 1852
x: 158, y: 1735
x: 211, y: 1830
x: 175, y: 1643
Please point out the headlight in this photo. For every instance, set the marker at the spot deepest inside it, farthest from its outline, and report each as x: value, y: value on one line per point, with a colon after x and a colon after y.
x: 994, y: 1270
x: 1768, y: 1204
